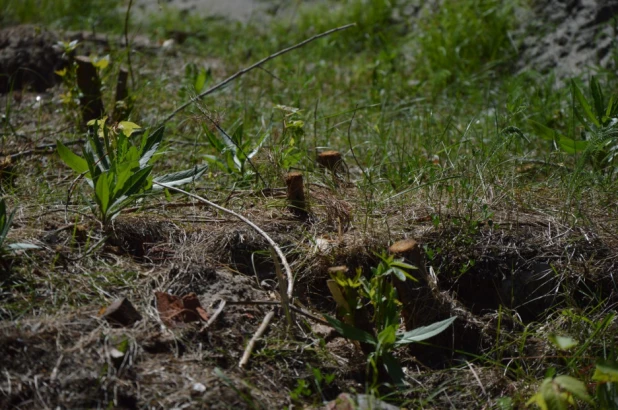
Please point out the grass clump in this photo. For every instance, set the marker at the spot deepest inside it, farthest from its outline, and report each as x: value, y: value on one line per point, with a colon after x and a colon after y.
x: 463, y: 41
x: 67, y: 14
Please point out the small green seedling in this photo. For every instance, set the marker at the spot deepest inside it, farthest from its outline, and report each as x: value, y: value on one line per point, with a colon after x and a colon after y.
x: 235, y: 152
x: 119, y: 171
x: 5, y: 225
x: 381, y: 295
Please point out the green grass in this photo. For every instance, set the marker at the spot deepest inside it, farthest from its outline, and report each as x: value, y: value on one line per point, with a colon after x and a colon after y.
x: 89, y: 15
x: 429, y: 115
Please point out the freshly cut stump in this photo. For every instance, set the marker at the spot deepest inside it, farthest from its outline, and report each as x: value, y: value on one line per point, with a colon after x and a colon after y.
x: 296, y: 195
x: 330, y: 160
x: 420, y: 307
x: 424, y: 303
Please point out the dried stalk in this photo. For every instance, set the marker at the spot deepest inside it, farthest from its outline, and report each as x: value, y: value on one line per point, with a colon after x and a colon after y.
x: 249, y: 349
x: 273, y: 244
x: 252, y: 67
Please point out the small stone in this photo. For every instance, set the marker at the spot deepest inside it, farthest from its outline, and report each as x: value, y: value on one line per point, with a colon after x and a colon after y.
x: 121, y: 312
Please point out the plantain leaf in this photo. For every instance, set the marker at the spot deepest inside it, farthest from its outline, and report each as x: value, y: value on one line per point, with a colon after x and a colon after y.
x: 583, y: 103
x: 576, y: 387
x: 74, y: 161
x: 350, y: 332
x: 179, y: 178
x: 102, y: 194
x: 394, y: 369
x: 563, y: 342
x: 150, y: 145
x: 571, y: 146
x: 423, y: 333
x: 606, y: 372
x: 543, y: 131
x: 597, y: 98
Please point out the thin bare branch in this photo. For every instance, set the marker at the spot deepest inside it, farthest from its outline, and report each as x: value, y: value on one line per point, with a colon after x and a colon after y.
x: 252, y: 67
x: 249, y: 349
x: 271, y: 242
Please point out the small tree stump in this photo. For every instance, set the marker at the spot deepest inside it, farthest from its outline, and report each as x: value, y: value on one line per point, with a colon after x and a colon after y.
x: 330, y: 160
x: 296, y: 194
x: 122, y: 103
x: 121, y: 312
x: 89, y: 84
x: 420, y: 307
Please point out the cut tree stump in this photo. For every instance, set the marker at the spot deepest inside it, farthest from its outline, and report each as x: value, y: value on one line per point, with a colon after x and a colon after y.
x: 122, y: 102
x: 330, y: 160
x: 89, y: 84
x: 296, y: 195
x: 420, y: 307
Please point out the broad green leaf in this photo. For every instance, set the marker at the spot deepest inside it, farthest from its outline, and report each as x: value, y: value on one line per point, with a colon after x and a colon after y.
x: 100, y: 63
x: 399, y: 273
x: 200, y: 81
x: 150, y: 145
x: 394, y: 369
x: 612, y: 108
x: 102, y: 193
x: 233, y: 163
x: 425, y: 332
x: 387, y: 336
x: 136, y: 183
x: 571, y: 146
x: 99, y: 152
x: 23, y: 246
x: 229, y: 141
x: 74, y: 161
x: 179, y: 178
x: 576, y: 387
x: 606, y: 372
x: 543, y: 131
x: 261, y: 141
x: 213, y: 140
x: 583, y: 103
x: 563, y: 342
x: 597, y: 98
x: 121, y: 176
x: 91, y: 160
x: 5, y: 221
x: 350, y: 332
x: 403, y: 265
x: 128, y: 127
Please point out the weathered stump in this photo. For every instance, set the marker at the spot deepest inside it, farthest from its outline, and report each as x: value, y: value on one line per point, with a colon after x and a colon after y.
x: 91, y: 102
x: 122, y: 101
x: 420, y: 307
x: 296, y: 195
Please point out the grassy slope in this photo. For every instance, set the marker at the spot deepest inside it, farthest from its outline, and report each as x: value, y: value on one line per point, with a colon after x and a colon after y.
x: 420, y: 108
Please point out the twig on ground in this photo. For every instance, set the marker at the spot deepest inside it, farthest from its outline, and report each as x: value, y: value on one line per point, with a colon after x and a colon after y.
x: 39, y: 149
x: 273, y: 244
x: 276, y: 302
x: 249, y: 349
x: 285, y: 301
x: 214, y: 315
x: 250, y: 68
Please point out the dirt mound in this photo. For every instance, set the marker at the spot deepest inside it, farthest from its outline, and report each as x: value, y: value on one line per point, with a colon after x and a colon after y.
x: 569, y: 37
x: 28, y: 57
